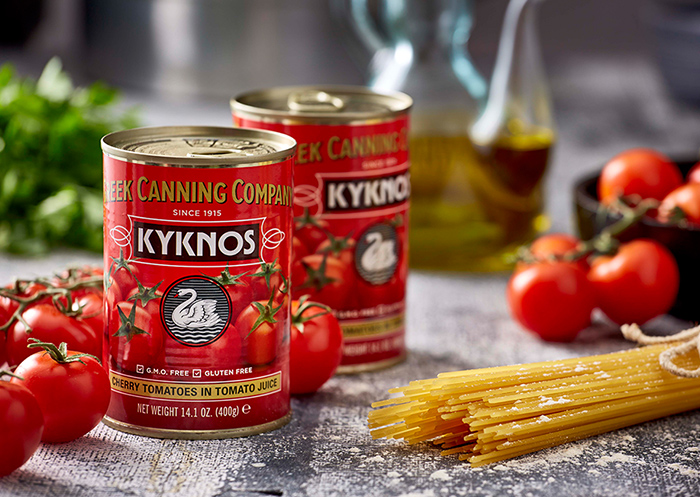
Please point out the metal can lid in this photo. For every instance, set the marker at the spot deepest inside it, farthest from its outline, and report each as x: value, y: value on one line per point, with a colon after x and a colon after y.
x: 321, y: 104
x: 203, y: 146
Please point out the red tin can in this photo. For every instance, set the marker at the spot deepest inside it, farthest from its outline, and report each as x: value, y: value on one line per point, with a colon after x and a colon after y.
x: 197, y: 250
x: 351, y: 200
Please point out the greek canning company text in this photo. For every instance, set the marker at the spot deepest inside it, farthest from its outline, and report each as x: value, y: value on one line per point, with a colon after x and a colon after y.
x: 189, y: 246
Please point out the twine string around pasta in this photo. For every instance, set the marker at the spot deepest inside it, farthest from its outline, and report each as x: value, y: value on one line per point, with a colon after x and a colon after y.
x: 687, y: 340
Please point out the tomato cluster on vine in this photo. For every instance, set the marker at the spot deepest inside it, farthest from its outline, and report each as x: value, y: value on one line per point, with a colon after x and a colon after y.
x: 61, y: 392
x: 560, y: 279
x: 325, y: 268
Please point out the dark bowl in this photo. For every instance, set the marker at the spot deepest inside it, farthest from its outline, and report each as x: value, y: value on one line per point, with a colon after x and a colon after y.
x: 684, y: 243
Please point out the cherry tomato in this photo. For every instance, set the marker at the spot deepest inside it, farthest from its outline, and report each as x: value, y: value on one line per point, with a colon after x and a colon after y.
x: 299, y: 250
x: 226, y: 349
x: 265, y: 279
x: 553, y: 245
x: 92, y: 311
x: 640, y: 282
x: 261, y: 332
x: 682, y: 204
x: 240, y: 291
x: 48, y: 324
x: 316, y: 346
x: 21, y: 426
x: 23, y: 290
x: 135, y: 336
x: 3, y: 348
x: 310, y: 231
x: 73, y: 395
x: 553, y: 299
x: 340, y: 248
x: 324, y: 278
x: 694, y: 174
x: 641, y: 172
x: 125, y: 280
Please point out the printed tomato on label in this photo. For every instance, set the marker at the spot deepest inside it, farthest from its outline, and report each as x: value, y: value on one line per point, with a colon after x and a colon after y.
x: 136, y: 336
x: 47, y: 323
x: 637, y: 284
x: 21, y: 426
x: 226, y: 349
x: 342, y: 248
x: 299, y: 250
x: 310, y: 231
x: 261, y: 331
x: 265, y: 279
x: 71, y: 388
x: 238, y: 289
x: 639, y: 172
x: 316, y: 346
x: 324, y: 278
x: 553, y: 299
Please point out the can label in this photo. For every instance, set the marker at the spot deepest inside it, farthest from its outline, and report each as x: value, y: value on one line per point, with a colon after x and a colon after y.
x: 197, y: 262
x: 351, y: 198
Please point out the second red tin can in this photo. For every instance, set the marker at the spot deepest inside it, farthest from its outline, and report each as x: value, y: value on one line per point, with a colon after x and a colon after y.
x: 197, y: 248
x: 351, y: 199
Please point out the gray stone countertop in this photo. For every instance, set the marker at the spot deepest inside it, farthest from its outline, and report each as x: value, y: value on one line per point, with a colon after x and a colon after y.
x: 455, y: 322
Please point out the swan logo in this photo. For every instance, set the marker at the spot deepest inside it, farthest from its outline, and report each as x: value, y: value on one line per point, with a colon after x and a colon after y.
x: 195, y: 311
x: 377, y: 253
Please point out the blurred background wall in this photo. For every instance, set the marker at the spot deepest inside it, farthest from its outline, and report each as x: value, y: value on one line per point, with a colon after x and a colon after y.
x: 218, y: 47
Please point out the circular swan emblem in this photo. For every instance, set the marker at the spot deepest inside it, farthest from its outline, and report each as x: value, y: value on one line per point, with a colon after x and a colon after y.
x: 195, y: 310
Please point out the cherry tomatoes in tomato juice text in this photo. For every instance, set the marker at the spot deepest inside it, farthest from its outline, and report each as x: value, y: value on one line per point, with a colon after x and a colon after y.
x: 21, y: 426
x: 551, y: 246
x: 685, y: 198
x: 315, y: 347
x: 642, y: 172
x: 48, y: 324
x: 73, y: 396
x: 640, y: 282
x: 553, y: 299
x: 261, y: 332
x: 325, y: 279
x: 135, y: 336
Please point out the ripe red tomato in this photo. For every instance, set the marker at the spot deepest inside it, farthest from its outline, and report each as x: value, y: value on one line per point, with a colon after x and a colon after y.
x: 264, y: 279
x: 640, y: 282
x: 73, y: 395
x: 261, y: 332
x: 342, y: 248
x: 310, y: 231
x: 299, y: 250
x: 694, y: 174
x: 685, y: 198
x: 21, y: 426
x: 136, y: 337
x: 240, y: 291
x: 553, y: 299
x: 553, y: 245
x: 324, y: 278
x: 640, y: 171
x: 3, y: 348
x: 48, y: 324
x: 124, y: 280
x: 24, y: 290
x: 92, y: 312
x: 226, y: 348
x: 316, y: 346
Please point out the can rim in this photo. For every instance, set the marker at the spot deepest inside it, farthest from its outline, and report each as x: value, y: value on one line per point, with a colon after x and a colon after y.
x: 403, y: 104
x: 113, y: 142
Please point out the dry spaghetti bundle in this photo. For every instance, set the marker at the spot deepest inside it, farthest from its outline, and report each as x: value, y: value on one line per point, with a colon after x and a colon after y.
x: 492, y: 414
